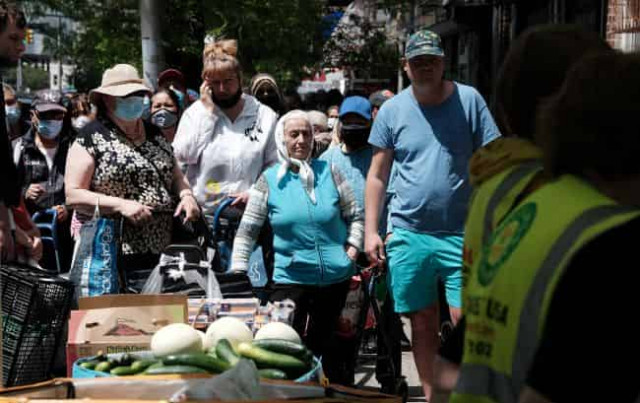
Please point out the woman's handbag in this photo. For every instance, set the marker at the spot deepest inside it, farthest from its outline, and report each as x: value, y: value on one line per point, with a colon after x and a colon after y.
x: 94, y: 270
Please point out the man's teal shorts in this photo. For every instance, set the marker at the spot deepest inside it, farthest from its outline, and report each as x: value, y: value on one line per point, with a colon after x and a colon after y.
x: 416, y: 261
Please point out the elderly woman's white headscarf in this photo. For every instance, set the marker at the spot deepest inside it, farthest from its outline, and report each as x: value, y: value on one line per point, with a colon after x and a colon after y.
x: 305, y: 172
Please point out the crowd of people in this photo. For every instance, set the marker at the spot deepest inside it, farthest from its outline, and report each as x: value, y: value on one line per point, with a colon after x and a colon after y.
x: 516, y: 219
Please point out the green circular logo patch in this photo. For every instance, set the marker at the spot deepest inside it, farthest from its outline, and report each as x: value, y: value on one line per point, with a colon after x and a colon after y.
x: 504, y: 241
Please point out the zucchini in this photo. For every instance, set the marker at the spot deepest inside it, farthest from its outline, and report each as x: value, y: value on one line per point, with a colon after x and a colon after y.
x: 175, y: 370
x: 141, y: 365
x: 283, y: 347
x: 268, y: 359
x: 154, y: 366
x: 104, y: 366
x: 123, y: 371
x: 204, y: 361
x: 272, y: 373
x: 89, y: 364
x: 225, y: 352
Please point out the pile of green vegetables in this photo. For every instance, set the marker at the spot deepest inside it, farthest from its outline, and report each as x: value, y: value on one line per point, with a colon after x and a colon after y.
x: 275, y: 359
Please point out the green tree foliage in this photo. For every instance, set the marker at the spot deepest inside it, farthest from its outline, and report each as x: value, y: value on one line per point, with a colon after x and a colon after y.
x: 362, y: 47
x: 109, y: 33
x: 280, y: 37
x: 33, y: 78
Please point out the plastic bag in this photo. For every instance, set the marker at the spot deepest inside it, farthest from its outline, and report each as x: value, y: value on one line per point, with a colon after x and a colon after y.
x: 94, y: 269
x: 174, y: 274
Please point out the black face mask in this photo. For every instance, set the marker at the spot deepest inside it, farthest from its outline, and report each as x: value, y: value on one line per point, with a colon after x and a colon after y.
x: 355, y: 136
x: 271, y: 100
x: 229, y: 102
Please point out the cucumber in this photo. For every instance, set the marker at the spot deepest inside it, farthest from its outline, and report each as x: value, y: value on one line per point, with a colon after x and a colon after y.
x: 283, y: 347
x: 141, y: 365
x: 154, y: 366
x: 268, y: 359
x: 225, y: 352
x: 89, y: 364
x: 204, y: 361
x: 104, y: 366
x: 123, y: 371
x: 272, y: 373
x: 175, y: 370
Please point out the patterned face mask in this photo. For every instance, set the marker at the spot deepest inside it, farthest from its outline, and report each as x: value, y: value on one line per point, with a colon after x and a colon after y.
x: 164, y: 118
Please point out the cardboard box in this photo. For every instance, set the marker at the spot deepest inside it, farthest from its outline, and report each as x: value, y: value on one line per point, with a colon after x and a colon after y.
x: 120, y: 323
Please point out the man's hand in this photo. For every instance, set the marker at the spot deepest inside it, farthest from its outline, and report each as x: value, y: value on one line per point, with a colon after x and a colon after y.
x: 374, y: 248
x: 205, y: 97
x: 34, y: 191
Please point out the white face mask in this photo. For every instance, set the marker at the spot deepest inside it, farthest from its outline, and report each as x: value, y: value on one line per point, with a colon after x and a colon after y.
x: 331, y: 123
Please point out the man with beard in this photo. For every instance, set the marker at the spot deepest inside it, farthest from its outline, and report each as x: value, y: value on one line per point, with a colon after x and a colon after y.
x: 226, y: 140
x: 428, y: 132
x: 12, y: 32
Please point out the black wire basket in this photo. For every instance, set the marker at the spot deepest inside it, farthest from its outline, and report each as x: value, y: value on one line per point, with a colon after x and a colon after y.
x: 35, y: 309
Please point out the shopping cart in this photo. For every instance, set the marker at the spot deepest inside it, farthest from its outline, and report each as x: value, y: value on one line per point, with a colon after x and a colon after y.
x: 224, y: 225
x: 388, y: 333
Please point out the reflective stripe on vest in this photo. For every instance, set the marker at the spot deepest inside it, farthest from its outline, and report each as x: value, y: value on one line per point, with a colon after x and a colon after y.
x: 479, y: 380
x: 509, y: 182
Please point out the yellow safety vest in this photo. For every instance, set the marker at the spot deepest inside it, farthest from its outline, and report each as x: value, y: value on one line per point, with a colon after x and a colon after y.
x: 490, y: 203
x: 513, y: 281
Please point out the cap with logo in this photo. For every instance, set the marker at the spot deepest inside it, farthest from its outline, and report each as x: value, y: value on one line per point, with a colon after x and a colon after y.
x: 48, y: 100
x: 422, y: 43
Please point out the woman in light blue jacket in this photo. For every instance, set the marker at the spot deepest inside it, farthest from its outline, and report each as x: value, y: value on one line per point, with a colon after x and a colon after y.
x: 317, y: 227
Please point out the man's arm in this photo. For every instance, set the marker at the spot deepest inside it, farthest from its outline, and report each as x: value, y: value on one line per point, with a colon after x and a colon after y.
x: 374, y: 194
x: 6, y: 239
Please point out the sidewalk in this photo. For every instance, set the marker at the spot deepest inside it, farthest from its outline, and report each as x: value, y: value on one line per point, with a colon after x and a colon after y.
x: 366, y: 373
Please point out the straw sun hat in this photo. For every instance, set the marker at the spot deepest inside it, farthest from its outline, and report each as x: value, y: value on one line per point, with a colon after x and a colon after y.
x: 119, y: 81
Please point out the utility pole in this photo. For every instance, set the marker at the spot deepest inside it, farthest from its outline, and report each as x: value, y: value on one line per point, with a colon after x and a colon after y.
x: 152, y: 55
x: 59, y: 52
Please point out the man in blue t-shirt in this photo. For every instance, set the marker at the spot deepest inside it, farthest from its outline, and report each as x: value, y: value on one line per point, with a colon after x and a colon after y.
x: 428, y: 131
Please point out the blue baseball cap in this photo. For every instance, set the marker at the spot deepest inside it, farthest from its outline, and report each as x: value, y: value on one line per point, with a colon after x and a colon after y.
x: 424, y: 42
x: 356, y: 104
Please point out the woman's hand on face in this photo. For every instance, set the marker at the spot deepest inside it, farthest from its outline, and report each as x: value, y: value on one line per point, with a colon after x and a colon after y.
x: 135, y: 212
x: 352, y: 252
x: 189, y: 205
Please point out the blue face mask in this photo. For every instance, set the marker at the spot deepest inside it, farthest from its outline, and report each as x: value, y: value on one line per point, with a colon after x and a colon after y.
x: 49, y: 129
x: 13, y: 114
x: 130, y: 108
